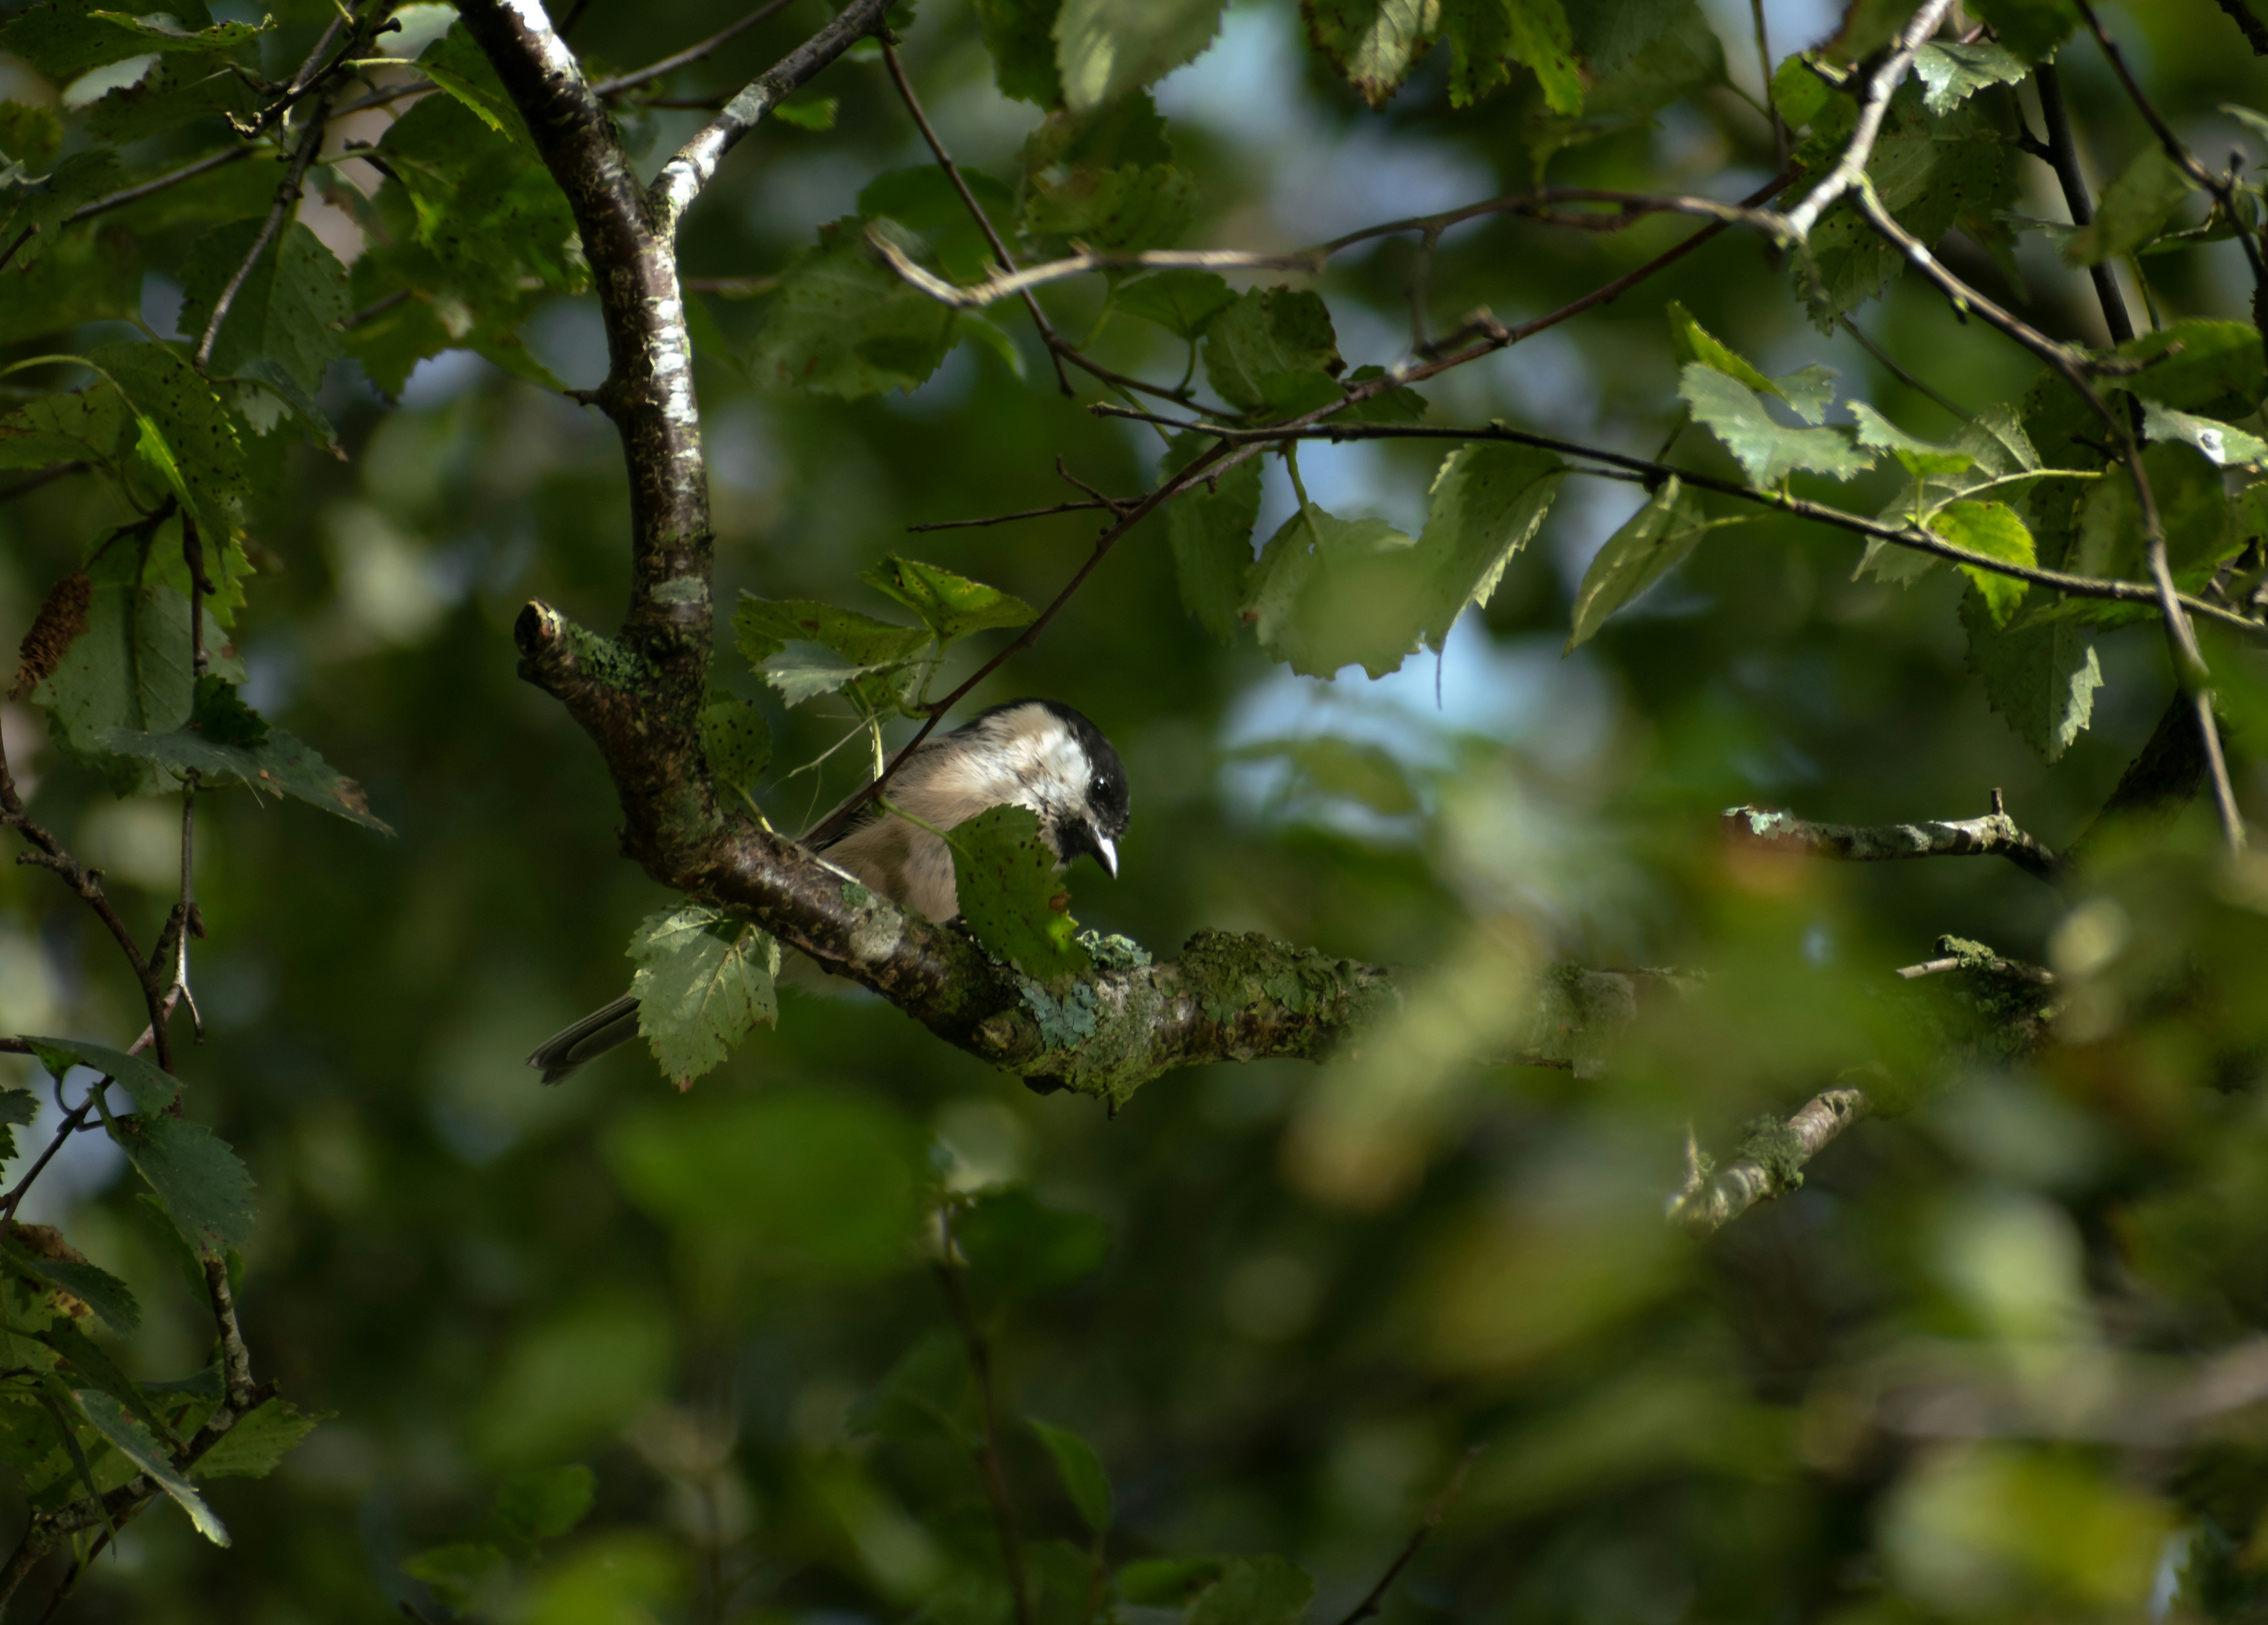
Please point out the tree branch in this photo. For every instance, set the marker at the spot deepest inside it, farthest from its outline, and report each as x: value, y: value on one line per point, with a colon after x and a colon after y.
x: 2063, y: 158
x: 1850, y: 170
x: 1769, y: 1163
x: 287, y: 199
x: 690, y: 54
x: 1994, y: 835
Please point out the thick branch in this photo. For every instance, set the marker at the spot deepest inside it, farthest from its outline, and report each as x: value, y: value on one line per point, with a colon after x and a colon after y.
x: 1994, y: 835
x: 1771, y: 1163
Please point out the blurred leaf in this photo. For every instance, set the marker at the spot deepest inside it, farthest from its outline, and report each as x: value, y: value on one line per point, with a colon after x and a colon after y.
x: 844, y: 324
x: 2131, y: 210
x: 815, y: 112
x: 1020, y: 35
x: 624, y: 1577
x: 1955, y: 72
x: 133, y: 1441
x: 1690, y: 342
x: 1012, y: 892
x: 87, y: 1362
x: 1210, y: 530
x: 1267, y: 343
x: 1018, y: 1244
x: 284, y: 310
x: 177, y: 90
x: 1326, y: 764
x: 1992, y: 529
x: 1082, y: 1474
x: 1126, y: 208
x: 1651, y: 543
x: 1767, y: 450
x: 950, y: 605
x: 2042, y: 679
x: 828, y: 1184
x: 572, y: 1379
x: 461, y: 1574
x: 1107, y: 47
x: 704, y: 983
x: 1489, y: 36
x: 258, y: 1442
x: 1183, y: 302
x: 150, y: 1085
x: 927, y: 1392
x: 1372, y: 44
x: 2205, y: 363
x: 205, y: 1185
x: 1254, y: 1590
x: 2030, y: 28
x: 31, y: 135
x: 546, y: 1503
x: 1166, y: 1582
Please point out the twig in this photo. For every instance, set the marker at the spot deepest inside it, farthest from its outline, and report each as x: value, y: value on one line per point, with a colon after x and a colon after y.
x: 1898, y: 372
x: 1001, y: 519
x: 687, y: 58
x: 2256, y: 34
x: 2063, y: 158
x: 996, y: 1483
x: 1764, y: 65
x: 1116, y: 504
x: 1426, y: 1525
x: 1850, y: 170
x: 1709, y: 1202
x: 730, y: 287
x: 45, y: 477
x: 287, y: 198
x: 1994, y: 835
x: 681, y: 178
x: 1006, y: 260
x: 1006, y: 285
x: 370, y: 312
x: 2014, y: 970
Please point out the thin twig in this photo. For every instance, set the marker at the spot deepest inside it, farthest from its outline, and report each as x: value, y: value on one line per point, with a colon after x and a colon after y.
x: 1003, y: 519
x: 1850, y: 170
x: 690, y: 54
x: 1764, y: 64
x: 45, y: 477
x: 1994, y: 835
x: 2063, y: 158
x: 995, y: 1482
x: 1426, y: 1525
x: 287, y: 198
x: 1898, y: 372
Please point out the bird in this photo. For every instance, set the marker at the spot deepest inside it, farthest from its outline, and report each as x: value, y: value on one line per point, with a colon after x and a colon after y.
x: 1034, y: 753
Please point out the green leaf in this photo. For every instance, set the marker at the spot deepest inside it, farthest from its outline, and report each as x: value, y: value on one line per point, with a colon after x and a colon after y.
x: 128, y: 668
x: 175, y: 92
x: 2030, y: 28
x: 220, y: 714
x: 704, y: 981
x: 42, y: 208
x: 1012, y: 892
x: 462, y: 1575
x: 546, y: 1503
x: 30, y: 136
x: 159, y: 33
x: 925, y: 200
x: 1690, y: 342
x: 1082, y: 1474
x: 204, y: 1184
x: 926, y: 1393
x: 844, y: 324
x: 1767, y: 450
x: 2041, y: 678
x: 1020, y: 35
x: 1255, y: 1590
x: 1105, y: 48
x: 258, y: 1442
x: 89, y: 1363
x: 199, y: 440
x: 280, y: 764
x: 1954, y: 72
x: 1021, y: 1245
x: 64, y: 1409
x: 97, y: 1288
x: 1183, y: 302
x: 1489, y: 36
x: 2133, y: 209
x: 951, y: 606
x: 2222, y: 444
x: 2205, y: 364
x: 285, y: 309
x: 1372, y: 44
x: 1328, y: 592
x: 150, y: 1086
x: 1270, y: 342
x: 1488, y: 502
x: 1992, y: 529
x: 1651, y: 542
x: 134, y: 1442
x: 1125, y: 209
x: 736, y: 740
x: 462, y: 90
x: 1610, y: 37
x: 1800, y: 95
x: 1917, y: 456
x: 1210, y: 530
x: 813, y: 112
x: 1166, y: 1582
x: 801, y: 675
x: 1353, y: 770
x: 63, y: 40
x: 762, y: 627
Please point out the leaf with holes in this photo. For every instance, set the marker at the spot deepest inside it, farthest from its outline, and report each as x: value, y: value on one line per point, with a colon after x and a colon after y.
x: 951, y: 606
x: 844, y: 324
x: 1012, y: 892
x: 284, y: 310
x: 703, y: 982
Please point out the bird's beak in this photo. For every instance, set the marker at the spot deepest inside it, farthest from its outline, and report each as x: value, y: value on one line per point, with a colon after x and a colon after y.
x: 1106, y: 854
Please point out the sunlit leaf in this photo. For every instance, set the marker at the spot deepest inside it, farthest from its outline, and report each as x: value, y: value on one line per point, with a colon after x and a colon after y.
x: 1107, y: 47
x: 1651, y: 542
x: 132, y: 1440
x: 1372, y: 44
x: 703, y: 982
x: 1767, y: 450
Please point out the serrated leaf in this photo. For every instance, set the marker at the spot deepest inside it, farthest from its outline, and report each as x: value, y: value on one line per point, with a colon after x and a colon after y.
x: 258, y: 1442
x: 546, y: 1503
x: 199, y: 440
x: 129, y: 669
x: 1916, y: 455
x: 1650, y: 544
x: 280, y: 764
x: 704, y: 981
x: 284, y: 310
x: 136, y: 1442
x: 736, y: 740
x: 63, y: 40
x: 87, y: 1362
x: 1012, y: 892
x: 95, y: 1287
x: 2224, y: 445
x: 1125, y: 208
x: 1080, y: 1469
x: 1183, y: 302
x: 177, y: 90
x: 801, y: 675
x: 1105, y: 48
x: 1020, y: 36
x: 1489, y: 36
x: 844, y: 324
x: 2131, y: 210
x: 1690, y: 342
x: 1210, y: 530
x: 1954, y: 72
x: 762, y: 627
x: 951, y: 606
x: 1268, y: 335
x: 1021, y: 1245
x: 204, y: 1184
x: 1254, y: 1590
x: 151, y: 1088
x: 1992, y: 529
x: 1488, y: 502
x: 1808, y: 391
x: 2042, y: 679
x: 1767, y: 451
x: 1372, y: 44
x: 1328, y: 592
x: 2205, y: 362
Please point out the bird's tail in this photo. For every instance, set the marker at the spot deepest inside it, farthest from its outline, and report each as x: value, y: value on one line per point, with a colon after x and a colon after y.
x: 586, y: 1039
